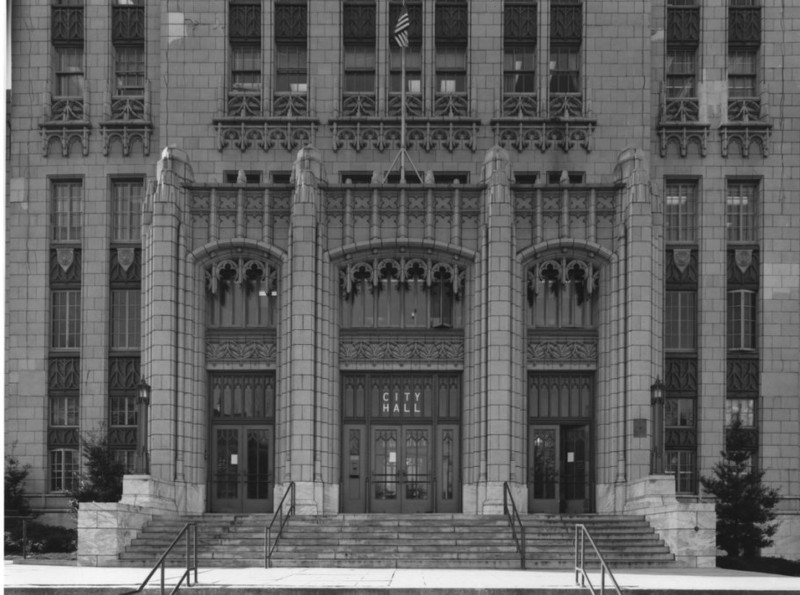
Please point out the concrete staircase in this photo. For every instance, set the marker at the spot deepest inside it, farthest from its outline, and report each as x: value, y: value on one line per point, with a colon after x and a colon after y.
x: 401, y: 541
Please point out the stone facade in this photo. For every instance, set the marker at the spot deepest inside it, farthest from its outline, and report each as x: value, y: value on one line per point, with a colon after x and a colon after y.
x: 552, y: 150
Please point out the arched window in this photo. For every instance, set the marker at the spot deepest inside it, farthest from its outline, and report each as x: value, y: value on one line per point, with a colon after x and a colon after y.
x: 562, y: 294
x: 241, y: 294
x: 401, y: 293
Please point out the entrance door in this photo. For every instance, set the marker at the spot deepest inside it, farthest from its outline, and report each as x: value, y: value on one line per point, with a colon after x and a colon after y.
x: 558, y: 469
x: 401, y: 474
x: 241, y: 470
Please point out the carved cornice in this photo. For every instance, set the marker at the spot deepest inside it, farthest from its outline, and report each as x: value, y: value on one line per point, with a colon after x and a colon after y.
x: 421, y: 133
x: 563, y: 349
x: 364, y: 349
x: 289, y: 133
x: 544, y: 134
x: 227, y: 350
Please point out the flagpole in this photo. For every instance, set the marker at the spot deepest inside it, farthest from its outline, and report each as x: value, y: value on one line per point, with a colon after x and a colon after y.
x: 403, y: 116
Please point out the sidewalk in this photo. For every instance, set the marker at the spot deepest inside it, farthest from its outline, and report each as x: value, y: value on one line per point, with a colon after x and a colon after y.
x: 711, y: 580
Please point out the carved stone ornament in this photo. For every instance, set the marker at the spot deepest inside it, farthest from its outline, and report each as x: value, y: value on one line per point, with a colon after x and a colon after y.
x: 65, y: 256
x: 125, y: 257
x: 682, y: 258
x: 743, y: 259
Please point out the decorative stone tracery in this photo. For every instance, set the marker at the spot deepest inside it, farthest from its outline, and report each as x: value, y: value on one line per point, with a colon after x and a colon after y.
x: 560, y: 273
x: 240, y: 271
x: 401, y: 270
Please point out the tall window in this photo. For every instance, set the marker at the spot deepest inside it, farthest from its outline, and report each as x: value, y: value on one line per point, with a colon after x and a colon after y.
x: 359, y: 46
x: 66, y: 210
x: 291, y: 56
x: 65, y: 319
x: 413, y: 60
x: 67, y: 38
x: 125, y: 318
x: 741, y: 320
x: 741, y: 211
x: 680, y: 211
x: 245, y: 45
x: 683, y: 40
x: 128, y: 31
x: 451, y: 58
x: 744, y: 43
x: 63, y: 469
x: 680, y: 325
x: 126, y: 208
x: 519, y: 47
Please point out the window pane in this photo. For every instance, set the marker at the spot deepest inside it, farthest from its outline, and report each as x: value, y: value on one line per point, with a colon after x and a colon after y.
x: 680, y: 320
x: 741, y: 209
x: 65, y: 319
x: 127, y: 209
x: 125, y: 319
x: 680, y: 212
x: 66, y: 215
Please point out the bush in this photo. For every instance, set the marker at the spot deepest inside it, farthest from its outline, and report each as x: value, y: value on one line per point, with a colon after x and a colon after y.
x: 102, y: 480
x: 16, y: 502
x: 42, y: 539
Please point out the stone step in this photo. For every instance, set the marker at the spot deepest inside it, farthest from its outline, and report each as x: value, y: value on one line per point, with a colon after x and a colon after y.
x: 401, y: 541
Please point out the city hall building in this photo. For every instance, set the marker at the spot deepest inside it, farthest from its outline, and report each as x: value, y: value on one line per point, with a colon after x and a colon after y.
x: 553, y: 244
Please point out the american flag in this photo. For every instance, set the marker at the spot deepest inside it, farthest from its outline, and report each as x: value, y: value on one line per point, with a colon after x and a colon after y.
x: 401, y: 29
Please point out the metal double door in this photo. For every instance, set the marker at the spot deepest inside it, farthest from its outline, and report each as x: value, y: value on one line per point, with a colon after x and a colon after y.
x: 402, y: 474
x: 241, y: 468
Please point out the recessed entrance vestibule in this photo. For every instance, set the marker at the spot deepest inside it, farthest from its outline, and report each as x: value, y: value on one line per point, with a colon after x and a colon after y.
x: 560, y: 459
x: 241, y: 437
x: 401, y: 442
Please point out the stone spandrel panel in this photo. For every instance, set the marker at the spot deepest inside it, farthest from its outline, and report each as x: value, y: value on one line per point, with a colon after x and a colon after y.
x: 224, y: 213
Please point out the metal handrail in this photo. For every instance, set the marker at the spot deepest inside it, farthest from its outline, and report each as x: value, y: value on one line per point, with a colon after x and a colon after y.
x: 269, y: 547
x: 190, y: 530
x: 24, y: 520
x: 581, y: 533
x: 514, y: 519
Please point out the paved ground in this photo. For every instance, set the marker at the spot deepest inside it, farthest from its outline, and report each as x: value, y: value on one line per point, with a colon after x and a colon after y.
x: 707, y: 580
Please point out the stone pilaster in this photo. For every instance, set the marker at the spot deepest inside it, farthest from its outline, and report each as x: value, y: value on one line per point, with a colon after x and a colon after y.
x: 163, y: 279
x: 500, y: 407
x: 300, y: 403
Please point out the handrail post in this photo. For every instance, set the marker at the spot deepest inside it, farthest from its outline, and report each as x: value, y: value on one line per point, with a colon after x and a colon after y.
x: 195, y: 555
x: 24, y: 539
